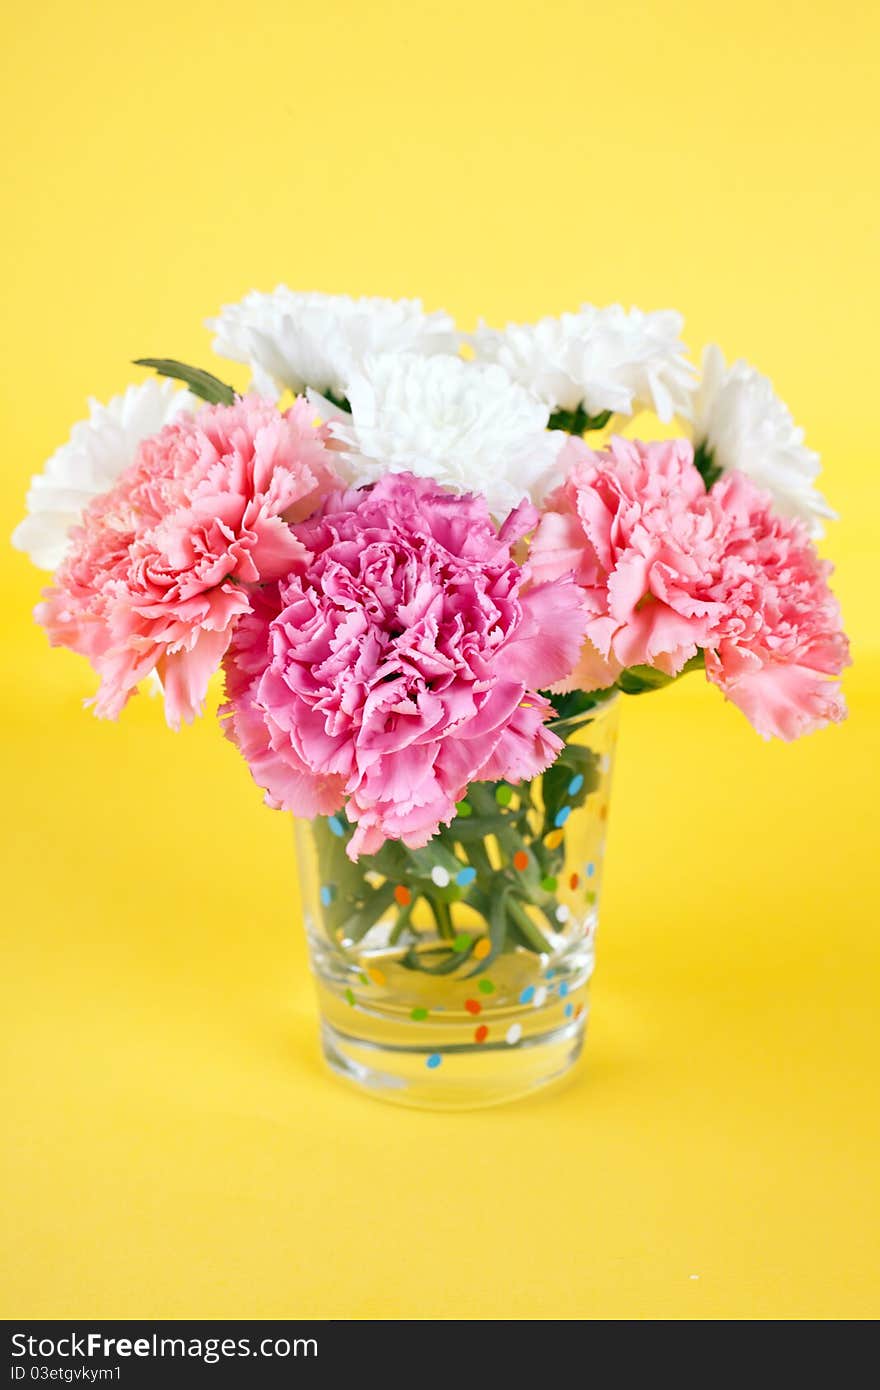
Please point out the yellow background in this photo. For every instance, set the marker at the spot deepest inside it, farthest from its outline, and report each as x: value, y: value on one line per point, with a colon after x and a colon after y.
x: 176, y: 1146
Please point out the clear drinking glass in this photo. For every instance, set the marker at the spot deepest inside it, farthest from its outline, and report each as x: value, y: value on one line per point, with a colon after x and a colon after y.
x: 457, y: 975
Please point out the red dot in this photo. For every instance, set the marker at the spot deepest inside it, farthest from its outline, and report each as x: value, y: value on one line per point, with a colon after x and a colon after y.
x: 473, y: 1006
x: 403, y: 895
x: 575, y: 880
x: 481, y: 1033
x: 520, y: 860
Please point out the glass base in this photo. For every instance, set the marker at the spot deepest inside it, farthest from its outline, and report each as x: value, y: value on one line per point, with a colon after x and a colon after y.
x: 448, y: 1070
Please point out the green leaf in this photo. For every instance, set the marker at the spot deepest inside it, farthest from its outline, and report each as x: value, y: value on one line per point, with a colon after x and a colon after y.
x: 201, y: 383
x: 341, y: 402
x: 704, y: 462
x: 576, y: 708
x: 637, y: 680
x: 574, y: 761
x: 578, y: 421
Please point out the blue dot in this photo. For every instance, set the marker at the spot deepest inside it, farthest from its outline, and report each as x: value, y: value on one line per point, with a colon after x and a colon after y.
x: 562, y: 816
x: 327, y: 894
x: 465, y: 876
x: 575, y: 784
x: 527, y: 995
x: 433, y: 1061
x: 591, y: 869
x: 568, y: 1010
x: 336, y: 826
x: 548, y: 974
x: 563, y: 988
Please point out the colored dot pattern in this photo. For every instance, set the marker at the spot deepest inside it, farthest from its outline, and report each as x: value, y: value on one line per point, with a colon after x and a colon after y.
x: 481, y: 948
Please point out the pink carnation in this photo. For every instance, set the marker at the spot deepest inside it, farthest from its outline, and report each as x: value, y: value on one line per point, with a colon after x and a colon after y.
x: 160, y: 567
x: 399, y: 663
x: 779, y: 645
x: 635, y: 525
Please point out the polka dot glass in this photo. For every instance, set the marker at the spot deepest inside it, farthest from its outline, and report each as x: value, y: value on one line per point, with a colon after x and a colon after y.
x: 457, y: 975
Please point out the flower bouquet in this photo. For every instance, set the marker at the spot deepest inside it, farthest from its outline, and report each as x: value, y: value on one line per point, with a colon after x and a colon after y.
x: 429, y: 564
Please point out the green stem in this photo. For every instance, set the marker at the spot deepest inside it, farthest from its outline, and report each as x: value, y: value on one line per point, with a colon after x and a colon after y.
x: 403, y: 920
x: 442, y: 916
x: 527, y: 927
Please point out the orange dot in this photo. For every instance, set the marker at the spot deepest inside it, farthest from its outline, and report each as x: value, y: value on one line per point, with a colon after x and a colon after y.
x: 603, y: 813
x: 520, y: 860
x: 481, y: 1033
x: 376, y: 976
x: 575, y: 880
x: 482, y: 948
x: 554, y: 839
x: 403, y: 895
x: 473, y: 1006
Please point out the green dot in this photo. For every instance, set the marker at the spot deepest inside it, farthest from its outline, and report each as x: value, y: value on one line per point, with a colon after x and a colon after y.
x: 504, y: 794
x: 485, y: 987
x: 418, y: 1014
x: 465, y: 809
x: 461, y: 942
x: 349, y: 996
x: 549, y: 884
x: 363, y: 979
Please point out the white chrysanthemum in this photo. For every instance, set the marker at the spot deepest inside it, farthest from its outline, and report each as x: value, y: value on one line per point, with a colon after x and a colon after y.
x: 90, y: 462
x: 742, y: 422
x: 604, y: 359
x: 317, y: 340
x: 467, y: 425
